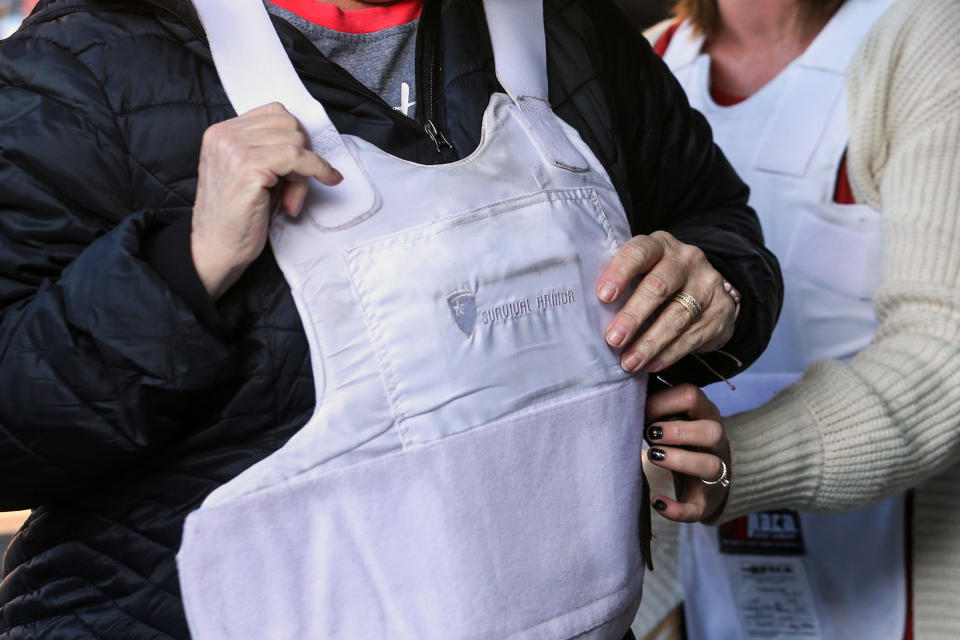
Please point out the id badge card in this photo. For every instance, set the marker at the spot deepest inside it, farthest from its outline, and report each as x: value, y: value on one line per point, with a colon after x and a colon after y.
x: 764, y: 557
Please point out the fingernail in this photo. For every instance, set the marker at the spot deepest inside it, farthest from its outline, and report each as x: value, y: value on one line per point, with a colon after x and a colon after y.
x: 657, y: 455
x: 616, y: 335
x: 631, y: 362
x: 727, y: 286
x: 608, y: 292
x: 660, y: 505
x: 654, y: 433
x: 338, y: 176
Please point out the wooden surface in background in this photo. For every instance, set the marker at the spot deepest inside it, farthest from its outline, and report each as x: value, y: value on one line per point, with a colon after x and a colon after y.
x: 671, y: 628
x: 10, y: 521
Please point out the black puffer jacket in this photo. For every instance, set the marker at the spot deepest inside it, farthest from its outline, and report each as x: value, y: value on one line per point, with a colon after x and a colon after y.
x: 126, y: 395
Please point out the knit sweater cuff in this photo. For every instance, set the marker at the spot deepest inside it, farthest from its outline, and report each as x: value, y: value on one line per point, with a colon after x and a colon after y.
x: 776, y: 456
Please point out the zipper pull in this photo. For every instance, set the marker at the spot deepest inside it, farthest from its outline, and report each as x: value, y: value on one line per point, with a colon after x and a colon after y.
x: 436, y: 136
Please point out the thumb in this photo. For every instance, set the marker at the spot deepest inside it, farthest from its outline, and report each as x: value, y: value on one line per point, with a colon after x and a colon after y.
x: 293, y: 194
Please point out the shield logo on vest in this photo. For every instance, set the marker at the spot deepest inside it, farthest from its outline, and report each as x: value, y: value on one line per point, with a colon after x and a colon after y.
x: 463, y: 310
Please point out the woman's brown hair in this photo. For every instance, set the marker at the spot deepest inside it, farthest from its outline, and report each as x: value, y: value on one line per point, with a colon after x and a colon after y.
x: 705, y: 15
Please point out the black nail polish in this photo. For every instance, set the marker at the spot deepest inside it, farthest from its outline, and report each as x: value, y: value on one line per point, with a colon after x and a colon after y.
x: 660, y: 505
x: 658, y: 455
x: 654, y: 433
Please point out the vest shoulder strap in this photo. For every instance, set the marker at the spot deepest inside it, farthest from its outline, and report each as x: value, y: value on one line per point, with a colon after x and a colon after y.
x: 520, y: 54
x: 254, y: 70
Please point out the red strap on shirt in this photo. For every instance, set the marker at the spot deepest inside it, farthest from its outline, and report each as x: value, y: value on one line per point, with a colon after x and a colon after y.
x: 660, y: 46
x: 843, y: 192
x: 356, y: 21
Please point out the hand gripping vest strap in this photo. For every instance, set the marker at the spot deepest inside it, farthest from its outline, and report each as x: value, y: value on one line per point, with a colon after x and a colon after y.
x: 520, y: 50
x: 234, y: 29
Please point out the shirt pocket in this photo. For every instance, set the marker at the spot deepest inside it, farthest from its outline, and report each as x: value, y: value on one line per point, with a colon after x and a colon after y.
x: 489, y: 312
x: 838, y: 247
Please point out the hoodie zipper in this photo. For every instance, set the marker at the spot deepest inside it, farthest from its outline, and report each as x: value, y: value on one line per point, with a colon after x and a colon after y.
x: 427, y: 124
x: 429, y: 55
x: 428, y: 70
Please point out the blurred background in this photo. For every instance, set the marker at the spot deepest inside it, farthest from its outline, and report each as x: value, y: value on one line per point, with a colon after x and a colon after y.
x: 9, y: 523
x: 646, y: 13
x: 11, y: 13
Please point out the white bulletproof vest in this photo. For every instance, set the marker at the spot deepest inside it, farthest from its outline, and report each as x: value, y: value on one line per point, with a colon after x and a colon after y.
x: 472, y: 469
x: 787, y: 142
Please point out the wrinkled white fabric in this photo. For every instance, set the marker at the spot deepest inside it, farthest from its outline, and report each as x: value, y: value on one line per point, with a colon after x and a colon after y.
x: 830, y: 254
x: 472, y: 469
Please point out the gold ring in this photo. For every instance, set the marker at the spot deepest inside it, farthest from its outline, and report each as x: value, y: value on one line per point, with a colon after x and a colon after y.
x: 690, y: 304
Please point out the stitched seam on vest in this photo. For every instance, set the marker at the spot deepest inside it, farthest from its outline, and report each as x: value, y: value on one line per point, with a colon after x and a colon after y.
x: 416, y: 235
x: 604, y: 222
x: 387, y: 372
x: 420, y: 232
x: 298, y: 479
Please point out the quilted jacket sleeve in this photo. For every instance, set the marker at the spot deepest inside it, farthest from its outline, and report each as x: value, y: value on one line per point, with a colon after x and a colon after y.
x: 680, y: 181
x: 99, y: 359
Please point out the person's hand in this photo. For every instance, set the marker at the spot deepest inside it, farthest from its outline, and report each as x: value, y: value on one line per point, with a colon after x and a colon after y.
x: 668, y: 267
x: 245, y: 163
x: 696, y: 448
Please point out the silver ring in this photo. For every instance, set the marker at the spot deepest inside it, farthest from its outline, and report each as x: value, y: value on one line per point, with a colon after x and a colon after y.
x: 723, y: 481
x: 690, y: 304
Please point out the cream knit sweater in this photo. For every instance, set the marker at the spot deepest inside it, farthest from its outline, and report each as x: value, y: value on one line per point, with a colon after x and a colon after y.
x: 850, y: 434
